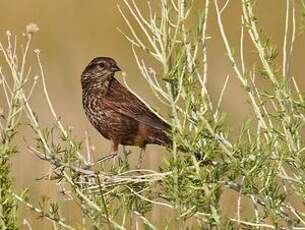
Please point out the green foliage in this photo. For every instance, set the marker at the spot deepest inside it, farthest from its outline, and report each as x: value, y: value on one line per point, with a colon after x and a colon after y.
x: 8, y: 210
x: 9, y: 128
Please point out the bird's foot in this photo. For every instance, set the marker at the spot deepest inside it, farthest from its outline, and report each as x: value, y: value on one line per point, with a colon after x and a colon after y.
x: 108, y: 157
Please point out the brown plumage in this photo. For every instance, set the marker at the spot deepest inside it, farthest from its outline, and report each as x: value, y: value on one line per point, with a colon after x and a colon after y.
x: 117, y: 113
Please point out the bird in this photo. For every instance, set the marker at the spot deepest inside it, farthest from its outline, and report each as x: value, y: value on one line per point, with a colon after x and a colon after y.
x: 118, y: 114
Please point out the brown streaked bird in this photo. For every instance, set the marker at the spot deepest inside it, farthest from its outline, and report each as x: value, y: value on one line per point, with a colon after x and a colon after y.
x: 116, y: 113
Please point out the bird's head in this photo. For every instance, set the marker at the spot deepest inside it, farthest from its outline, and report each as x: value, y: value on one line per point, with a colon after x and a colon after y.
x: 102, y: 66
x: 99, y: 70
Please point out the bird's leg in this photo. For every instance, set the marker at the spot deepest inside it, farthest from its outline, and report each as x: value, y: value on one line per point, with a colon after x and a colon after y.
x: 140, y: 160
x: 113, y: 152
x: 125, y: 153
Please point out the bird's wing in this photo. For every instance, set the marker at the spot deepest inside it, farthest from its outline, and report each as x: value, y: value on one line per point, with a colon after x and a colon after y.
x: 124, y: 102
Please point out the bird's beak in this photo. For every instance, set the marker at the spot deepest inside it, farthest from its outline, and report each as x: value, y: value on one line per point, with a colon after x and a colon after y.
x: 115, y: 68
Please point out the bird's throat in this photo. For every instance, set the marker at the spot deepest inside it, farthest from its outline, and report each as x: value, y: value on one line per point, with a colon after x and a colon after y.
x: 96, y: 84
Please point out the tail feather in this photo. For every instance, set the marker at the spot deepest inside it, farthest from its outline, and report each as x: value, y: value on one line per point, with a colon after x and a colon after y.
x: 159, y: 137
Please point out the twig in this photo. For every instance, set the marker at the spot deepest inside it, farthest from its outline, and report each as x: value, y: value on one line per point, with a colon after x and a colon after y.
x: 43, y: 214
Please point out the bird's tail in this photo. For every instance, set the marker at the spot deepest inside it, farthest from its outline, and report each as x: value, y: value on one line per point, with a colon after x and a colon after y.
x: 159, y: 137
x: 162, y: 138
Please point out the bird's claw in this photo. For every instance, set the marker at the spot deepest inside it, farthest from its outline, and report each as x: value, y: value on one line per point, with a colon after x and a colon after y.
x: 106, y: 158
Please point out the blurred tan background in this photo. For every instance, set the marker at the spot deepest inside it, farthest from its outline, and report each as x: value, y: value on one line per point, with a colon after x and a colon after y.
x: 72, y: 32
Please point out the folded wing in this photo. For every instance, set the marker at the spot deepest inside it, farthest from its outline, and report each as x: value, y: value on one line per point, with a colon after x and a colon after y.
x: 124, y: 102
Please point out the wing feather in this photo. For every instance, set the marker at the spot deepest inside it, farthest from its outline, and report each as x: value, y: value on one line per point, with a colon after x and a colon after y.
x: 124, y: 102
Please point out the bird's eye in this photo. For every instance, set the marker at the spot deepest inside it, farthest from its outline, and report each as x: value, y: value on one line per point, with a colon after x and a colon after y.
x: 102, y: 65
